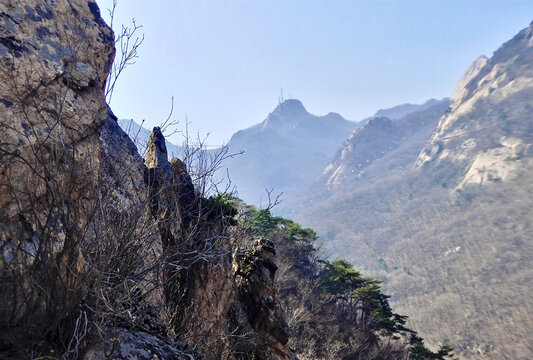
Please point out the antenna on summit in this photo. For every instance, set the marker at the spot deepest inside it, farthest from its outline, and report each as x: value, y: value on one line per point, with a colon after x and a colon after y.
x: 281, y: 99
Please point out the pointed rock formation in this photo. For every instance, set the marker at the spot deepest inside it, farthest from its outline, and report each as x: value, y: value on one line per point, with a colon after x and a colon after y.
x: 487, y: 135
x: 470, y: 73
x: 97, y: 247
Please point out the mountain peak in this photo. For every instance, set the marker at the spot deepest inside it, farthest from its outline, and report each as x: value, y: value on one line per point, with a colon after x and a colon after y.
x: 379, y: 122
x: 287, y: 113
x: 471, y: 72
x: 290, y: 107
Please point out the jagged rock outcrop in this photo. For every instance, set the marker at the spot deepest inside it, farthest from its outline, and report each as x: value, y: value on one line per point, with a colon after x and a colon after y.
x: 52, y: 108
x: 254, y: 272
x: 140, y: 136
x: 51, y: 93
x: 171, y: 191
x: 487, y: 135
x: 208, y: 299
x: 98, y: 247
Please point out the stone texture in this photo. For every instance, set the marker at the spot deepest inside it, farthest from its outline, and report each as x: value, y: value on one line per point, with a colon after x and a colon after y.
x: 54, y: 61
x: 140, y: 346
x: 486, y: 136
x: 254, y: 272
x: 73, y: 190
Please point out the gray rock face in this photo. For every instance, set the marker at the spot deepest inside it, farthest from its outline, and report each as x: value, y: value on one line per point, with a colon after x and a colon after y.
x: 139, y: 346
x: 91, y: 236
x: 254, y: 273
x: 156, y: 152
x: 487, y: 136
x: 52, y: 108
x: 172, y: 197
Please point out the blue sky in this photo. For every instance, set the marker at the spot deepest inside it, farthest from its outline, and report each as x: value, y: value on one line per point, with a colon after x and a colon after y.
x: 226, y: 61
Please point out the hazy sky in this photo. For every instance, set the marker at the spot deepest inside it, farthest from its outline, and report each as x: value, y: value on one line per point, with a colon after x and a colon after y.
x: 226, y: 61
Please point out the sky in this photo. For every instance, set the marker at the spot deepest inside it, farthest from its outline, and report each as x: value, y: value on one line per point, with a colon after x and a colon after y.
x: 225, y: 62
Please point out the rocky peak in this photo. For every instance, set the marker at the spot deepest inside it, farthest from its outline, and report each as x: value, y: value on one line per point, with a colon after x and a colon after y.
x: 286, y: 115
x: 156, y: 151
x: 377, y: 123
x: 487, y: 135
x: 290, y: 108
x: 287, y: 151
x: 468, y: 75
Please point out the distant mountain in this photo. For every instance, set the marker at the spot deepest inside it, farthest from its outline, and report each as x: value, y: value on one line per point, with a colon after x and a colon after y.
x: 402, y: 110
x: 285, y: 152
x: 383, y: 144
x: 446, y: 224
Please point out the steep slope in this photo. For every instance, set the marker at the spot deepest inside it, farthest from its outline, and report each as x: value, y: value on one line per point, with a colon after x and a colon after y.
x: 468, y: 75
x: 451, y: 233
x: 488, y: 134
x: 392, y: 144
x: 285, y: 152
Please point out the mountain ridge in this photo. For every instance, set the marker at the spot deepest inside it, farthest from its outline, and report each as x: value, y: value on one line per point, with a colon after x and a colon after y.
x: 284, y: 151
x: 450, y: 234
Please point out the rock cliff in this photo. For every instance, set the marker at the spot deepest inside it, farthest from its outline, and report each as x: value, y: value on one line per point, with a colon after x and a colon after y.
x: 486, y: 137
x: 103, y: 253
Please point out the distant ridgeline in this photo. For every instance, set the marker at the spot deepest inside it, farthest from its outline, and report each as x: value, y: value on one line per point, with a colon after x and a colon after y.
x: 286, y: 152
